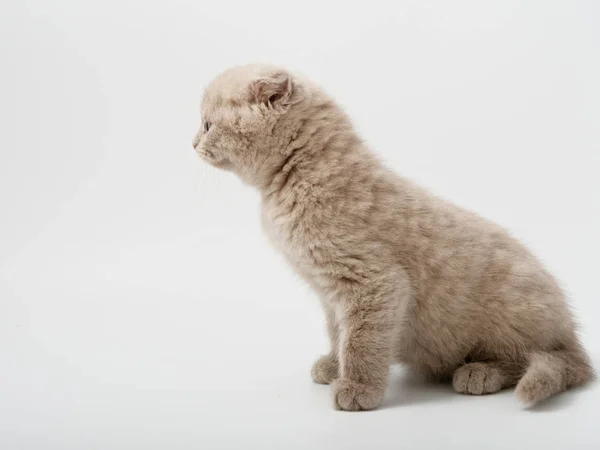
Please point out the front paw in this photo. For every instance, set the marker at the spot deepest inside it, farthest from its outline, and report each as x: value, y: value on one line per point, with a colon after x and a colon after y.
x: 325, y: 369
x: 352, y: 396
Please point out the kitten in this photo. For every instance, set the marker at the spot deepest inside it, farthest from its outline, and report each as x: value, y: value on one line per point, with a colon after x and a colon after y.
x: 403, y: 276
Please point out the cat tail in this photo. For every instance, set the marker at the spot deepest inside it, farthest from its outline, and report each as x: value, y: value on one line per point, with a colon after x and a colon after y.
x: 552, y: 372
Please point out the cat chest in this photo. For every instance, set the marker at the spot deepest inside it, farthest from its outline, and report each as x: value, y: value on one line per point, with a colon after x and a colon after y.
x: 288, y: 235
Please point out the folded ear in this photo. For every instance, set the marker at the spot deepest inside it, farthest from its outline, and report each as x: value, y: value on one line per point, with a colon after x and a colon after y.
x: 274, y: 90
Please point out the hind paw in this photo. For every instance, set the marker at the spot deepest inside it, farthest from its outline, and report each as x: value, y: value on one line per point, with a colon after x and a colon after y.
x: 477, y: 379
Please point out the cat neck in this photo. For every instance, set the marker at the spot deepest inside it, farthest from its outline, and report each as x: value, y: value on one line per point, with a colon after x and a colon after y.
x: 318, y: 159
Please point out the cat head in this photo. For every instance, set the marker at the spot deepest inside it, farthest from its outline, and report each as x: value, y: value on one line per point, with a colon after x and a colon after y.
x: 247, y: 122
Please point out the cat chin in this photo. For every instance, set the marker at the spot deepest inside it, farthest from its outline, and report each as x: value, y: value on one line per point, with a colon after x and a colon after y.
x: 223, y: 165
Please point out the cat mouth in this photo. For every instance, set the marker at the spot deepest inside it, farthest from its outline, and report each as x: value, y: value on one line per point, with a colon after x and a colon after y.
x: 209, y: 157
x: 205, y: 154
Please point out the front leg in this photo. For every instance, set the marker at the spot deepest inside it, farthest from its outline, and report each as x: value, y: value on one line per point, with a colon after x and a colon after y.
x: 326, y: 368
x: 366, y: 315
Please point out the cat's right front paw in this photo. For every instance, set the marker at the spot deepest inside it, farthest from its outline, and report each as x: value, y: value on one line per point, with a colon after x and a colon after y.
x: 325, y: 369
x: 349, y: 395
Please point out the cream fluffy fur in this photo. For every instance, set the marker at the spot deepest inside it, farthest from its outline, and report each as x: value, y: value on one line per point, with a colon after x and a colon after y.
x: 403, y: 276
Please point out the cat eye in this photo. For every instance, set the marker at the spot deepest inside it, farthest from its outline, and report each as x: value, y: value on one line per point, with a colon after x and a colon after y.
x: 207, y: 126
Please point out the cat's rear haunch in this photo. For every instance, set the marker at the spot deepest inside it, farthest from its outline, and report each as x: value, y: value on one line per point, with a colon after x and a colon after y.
x: 403, y: 276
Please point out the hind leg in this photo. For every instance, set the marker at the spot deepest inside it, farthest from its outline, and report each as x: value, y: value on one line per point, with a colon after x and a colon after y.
x: 478, y: 378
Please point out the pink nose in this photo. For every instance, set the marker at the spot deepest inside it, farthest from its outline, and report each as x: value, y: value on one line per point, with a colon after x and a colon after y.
x: 195, y: 143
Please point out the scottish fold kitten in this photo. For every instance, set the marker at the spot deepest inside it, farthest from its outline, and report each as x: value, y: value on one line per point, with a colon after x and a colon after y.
x: 403, y: 276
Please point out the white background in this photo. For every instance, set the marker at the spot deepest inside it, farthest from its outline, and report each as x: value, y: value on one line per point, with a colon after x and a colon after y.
x: 140, y: 305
